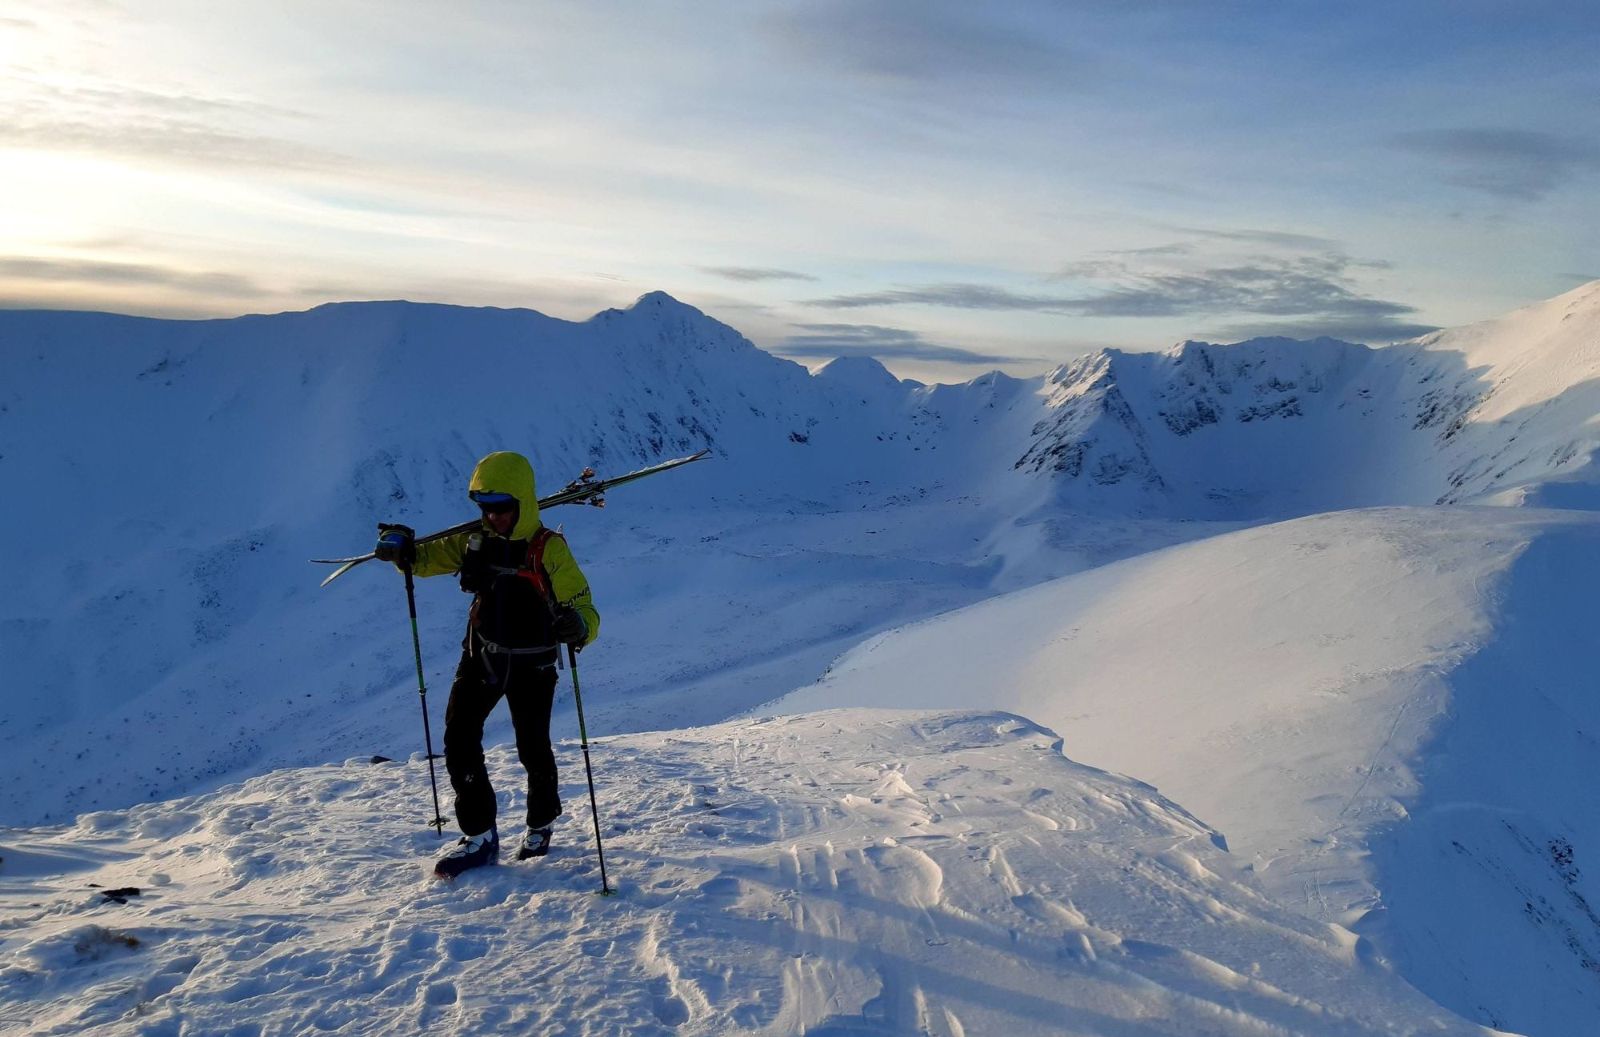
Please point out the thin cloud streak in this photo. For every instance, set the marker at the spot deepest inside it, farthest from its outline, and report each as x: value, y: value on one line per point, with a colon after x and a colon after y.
x: 833, y: 340
x: 1309, y: 285
x: 98, y: 274
x: 168, y: 141
x: 167, y: 126
x: 1302, y: 286
x: 920, y: 42
x: 1281, y: 239
x: 955, y: 296
x: 750, y: 274
x: 1514, y: 164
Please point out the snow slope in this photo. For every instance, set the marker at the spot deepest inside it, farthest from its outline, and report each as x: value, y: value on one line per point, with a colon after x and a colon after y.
x: 1389, y: 713
x: 849, y: 872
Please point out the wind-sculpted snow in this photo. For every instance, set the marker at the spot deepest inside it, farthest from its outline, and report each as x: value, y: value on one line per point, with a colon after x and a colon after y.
x: 1389, y: 713
x: 850, y: 872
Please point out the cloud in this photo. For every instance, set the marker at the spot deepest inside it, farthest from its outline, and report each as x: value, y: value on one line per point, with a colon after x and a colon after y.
x: 1130, y: 261
x: 1278, y: 238
x: 1314, y: 288
x: 752, y: 273
x: 917, y: 41
x: 172, y: 141
x: 1276, y: 287
x: 148, y: 125
x: 1119, y: 262
x: 98, y: 274
x: 955, y: 296
x: 831, y: 340
x: 1302, y: 285
x: 1520, y: 165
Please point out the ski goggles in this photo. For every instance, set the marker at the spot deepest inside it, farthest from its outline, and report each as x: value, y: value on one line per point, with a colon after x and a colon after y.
x: 493, y: 502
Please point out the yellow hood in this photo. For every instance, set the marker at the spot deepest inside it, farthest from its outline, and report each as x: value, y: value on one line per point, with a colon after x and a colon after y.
x: 505, y: 472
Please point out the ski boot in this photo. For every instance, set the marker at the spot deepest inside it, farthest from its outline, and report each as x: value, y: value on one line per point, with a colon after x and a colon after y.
x: 473, y: 851
x: 535, y: 844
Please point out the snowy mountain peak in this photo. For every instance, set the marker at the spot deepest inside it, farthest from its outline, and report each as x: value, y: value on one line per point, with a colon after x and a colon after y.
x: 1470, y: 414
x: 862, y: 374
x: 656, y: 305
x: 656, y: 319
x: 660, y: 300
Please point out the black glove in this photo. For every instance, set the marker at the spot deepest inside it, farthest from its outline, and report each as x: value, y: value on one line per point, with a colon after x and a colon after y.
x: 397, y: 544
x: 570, y: 628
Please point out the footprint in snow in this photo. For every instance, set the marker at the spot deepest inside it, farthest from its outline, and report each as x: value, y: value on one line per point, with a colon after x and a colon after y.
x: 466, y: 948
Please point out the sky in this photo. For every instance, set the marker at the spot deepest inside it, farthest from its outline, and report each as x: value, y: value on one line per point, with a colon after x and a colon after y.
x: 950, y: 187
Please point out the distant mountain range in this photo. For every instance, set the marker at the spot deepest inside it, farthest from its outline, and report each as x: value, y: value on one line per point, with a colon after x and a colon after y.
x: 1278, y: 427
x: 166, y: 481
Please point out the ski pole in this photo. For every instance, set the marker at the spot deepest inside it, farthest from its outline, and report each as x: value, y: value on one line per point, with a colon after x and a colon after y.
x: 422, y: 690
x: 583, y: 739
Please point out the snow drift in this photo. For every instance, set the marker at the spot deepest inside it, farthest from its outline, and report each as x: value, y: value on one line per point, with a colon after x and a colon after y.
x: 851, y: 872
x: 1389, y: 713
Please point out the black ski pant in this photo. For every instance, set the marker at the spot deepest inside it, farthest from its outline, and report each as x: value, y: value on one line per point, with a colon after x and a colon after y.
x: 482, y: 680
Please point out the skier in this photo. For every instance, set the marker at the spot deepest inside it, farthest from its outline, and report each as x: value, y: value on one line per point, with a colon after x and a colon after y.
x: 529, y: 598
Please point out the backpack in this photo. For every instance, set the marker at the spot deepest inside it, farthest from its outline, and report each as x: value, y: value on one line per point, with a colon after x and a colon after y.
x: 532, y: 570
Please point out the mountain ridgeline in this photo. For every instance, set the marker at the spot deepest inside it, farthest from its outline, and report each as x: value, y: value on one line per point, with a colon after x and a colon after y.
x: 1265, y: 428
x: 204, y: 461
x: 1274, y: 427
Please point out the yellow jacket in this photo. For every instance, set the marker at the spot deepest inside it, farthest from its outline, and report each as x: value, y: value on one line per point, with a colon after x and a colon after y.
x: 505, y: 472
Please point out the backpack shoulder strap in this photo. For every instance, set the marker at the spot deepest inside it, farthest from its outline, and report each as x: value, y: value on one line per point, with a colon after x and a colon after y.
x: 534, y: 567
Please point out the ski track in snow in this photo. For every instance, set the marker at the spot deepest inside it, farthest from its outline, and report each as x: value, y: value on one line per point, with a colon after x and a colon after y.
x: 850, y: 872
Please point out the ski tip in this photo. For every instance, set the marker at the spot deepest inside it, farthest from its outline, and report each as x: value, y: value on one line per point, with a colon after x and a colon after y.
x: 339, y: 572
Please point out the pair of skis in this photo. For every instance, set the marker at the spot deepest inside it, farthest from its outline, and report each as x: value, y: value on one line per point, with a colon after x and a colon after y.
x: 585, y: 489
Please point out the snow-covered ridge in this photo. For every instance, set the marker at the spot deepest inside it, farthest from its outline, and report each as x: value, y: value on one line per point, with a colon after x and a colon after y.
x: 1305, y: 426
x: 1389, y: 713
x: 1497, y: 409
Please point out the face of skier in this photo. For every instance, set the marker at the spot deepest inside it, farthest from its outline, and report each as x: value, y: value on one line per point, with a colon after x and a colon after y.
x: 502, y: 518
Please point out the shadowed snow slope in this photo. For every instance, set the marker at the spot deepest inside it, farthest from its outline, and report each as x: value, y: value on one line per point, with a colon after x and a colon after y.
x: 1389, y: 712
x: 849, y: 872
